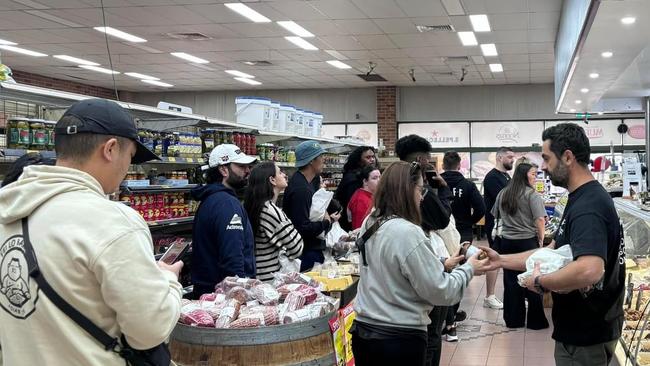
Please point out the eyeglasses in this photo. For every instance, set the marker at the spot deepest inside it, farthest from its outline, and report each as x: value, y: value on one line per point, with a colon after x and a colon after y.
x: 415, y: 167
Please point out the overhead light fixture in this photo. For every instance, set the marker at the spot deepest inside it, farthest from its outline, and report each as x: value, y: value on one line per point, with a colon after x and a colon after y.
x: 99, y: 69
x: 594, y: 75
x: 302, y: 43
x: 248, y: 81
x: 572, y: 110
x: 157, y: 83
x: 628, y: 20
x: 578, y: 101
x: 7, y: 43
x: 141, y: 76
x: 339, y: 65
x: 601, y: 113
x: 295, y: 28
x: 75, y: 60
x: 22, y: 50
x: 453, y: 7
x: 496, y: 67
x: 240, y: 74
x: 489, y: 49
x: 119, y: 34
x: 584, y: 90
x: 607, y: 54
x: 190, y: 58
x: 249, y: 63
x: 480, y: 23
x: 467, y: 38
x: 247, y: 12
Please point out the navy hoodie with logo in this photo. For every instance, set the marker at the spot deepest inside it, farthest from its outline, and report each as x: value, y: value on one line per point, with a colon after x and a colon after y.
x: 467, y: 204
x: 222, y: 238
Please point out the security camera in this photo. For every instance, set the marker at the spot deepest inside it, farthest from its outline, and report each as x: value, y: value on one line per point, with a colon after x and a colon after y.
x: 371, y: 67
x: 412, y: 74
x: 463, y: 74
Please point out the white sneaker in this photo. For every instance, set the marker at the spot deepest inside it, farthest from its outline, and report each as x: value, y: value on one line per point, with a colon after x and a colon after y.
x: 492, y: 302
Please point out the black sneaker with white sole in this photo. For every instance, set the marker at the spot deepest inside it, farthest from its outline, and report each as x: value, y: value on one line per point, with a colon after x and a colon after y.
x: 450, y: 334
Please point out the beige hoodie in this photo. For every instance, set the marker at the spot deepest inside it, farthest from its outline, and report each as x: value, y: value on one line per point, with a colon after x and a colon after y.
x: 97, y: 254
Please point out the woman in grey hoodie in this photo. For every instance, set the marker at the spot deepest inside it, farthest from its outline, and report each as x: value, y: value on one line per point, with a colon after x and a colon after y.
x: 401, y: 278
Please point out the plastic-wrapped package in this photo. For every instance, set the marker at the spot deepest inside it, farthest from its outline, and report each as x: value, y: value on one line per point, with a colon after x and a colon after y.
x: 230, y: 282
x: 208, y: 297
x: 266, y: 294
x: 299, y: 315
x: 268, y: 316
x: 240, y: 294
x: 284, y: 290
x: 291, y: 278
x: 229, y: 313
x: 297, y: 299
x: 550, y: 260
x: 197, y: 317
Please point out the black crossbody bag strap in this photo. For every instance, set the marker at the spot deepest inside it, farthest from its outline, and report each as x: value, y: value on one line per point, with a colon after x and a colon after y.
x: 361, y: 242
x: 109, y: 343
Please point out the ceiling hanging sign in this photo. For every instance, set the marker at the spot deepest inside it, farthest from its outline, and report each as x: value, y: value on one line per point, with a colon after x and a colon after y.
x: 495, y: 134
x: 367, y: 132
x: 635, y: 134
x: 440, y: 135
x: 600, y: 132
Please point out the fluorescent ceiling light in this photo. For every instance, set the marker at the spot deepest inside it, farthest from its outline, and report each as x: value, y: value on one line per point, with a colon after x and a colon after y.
x: 594, y: 75
x: 248, y: 81
x: 601, y: 113
x: 99, y: 69
x: 301, y: 43
x: 480, y: 23
x: 157, y: 83
x: 141, y: 76
x: 578, y: 101
x: 295, y: 28
x: 336, y: 54
x: 489, y: 49
x: 607, y: 54
x: 584, y: 90
x: 119, y: 34
x: 7, y: 43
x: 22, y: 50
x: 190, y: 58
x: 572, y: 110
x: 496, y: 67
x: 75, y: 60
x: 628, y: 20
x: 240, y: 74
x: 54, y: 18
x: 247, y: 12
x: 338, y: 64
x: 467, y: 38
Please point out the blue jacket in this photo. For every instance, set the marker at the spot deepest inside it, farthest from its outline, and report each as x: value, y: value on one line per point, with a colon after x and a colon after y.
x: 222, y: 239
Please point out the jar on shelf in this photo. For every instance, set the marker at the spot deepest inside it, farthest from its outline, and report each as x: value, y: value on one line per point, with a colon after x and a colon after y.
x: 49, y: 127
x: 38, y: 135
x: 13, y: 134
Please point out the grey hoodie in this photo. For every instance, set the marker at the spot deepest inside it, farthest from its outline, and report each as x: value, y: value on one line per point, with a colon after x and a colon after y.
x: 404, y: 279
x: 97, y: 254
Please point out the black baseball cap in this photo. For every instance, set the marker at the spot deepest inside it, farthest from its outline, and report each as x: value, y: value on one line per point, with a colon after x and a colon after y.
x: 105, y: 117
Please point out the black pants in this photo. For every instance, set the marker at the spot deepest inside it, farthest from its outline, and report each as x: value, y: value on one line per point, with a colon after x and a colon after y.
x: 514, y: 305
x: 434, y: 335
x: 451, y: 315
x: 309, y: 258
x: 394, y: 351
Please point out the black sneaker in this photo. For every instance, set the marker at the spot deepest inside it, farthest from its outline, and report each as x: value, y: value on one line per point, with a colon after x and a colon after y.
x: 460, y: 316
x: 450, y: 335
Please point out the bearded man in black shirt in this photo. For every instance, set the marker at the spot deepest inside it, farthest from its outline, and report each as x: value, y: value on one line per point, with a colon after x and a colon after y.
x: 588, y: 292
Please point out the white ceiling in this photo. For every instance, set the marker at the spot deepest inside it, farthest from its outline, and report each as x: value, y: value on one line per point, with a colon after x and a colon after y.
x: 381, y: 31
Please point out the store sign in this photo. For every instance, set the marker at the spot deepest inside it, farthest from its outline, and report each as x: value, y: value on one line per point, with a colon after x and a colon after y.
x: 366, y: 132
x: 440, y: 135
x: 495, y: 134
x: 599, y: 132
x: 635, y: 132
x: 330, y: 131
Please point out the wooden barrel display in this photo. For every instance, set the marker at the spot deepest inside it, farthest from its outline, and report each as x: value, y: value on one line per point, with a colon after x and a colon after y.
x: 307, y: 343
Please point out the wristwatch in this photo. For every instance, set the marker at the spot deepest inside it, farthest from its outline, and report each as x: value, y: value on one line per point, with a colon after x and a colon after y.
x: 538, y: 286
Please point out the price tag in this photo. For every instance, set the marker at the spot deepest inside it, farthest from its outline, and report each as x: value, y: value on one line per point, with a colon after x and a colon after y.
x: 171, y: 159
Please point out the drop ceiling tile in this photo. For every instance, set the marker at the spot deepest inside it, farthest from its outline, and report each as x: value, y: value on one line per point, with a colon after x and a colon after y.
x: 542, y: 57
x: 341, y: 43
x: 544, y: 20
x: 360, y: 55
x: 395, y: 25
x: 506, y: 22
x: 542, y: 66
x: 422, y: 52
x: 429, y: 61
x: 514, y: 59
x: 379, y: 8
x: 541, y: 73
x: 541, y: 35
x: 541, y: 47
x: 461, y: 23
x: 518, y: 36
x: 442, y: 39
x: 338, y: 9
x: 516, y: 74
x: 296, y: 10
x: 408, y: 40
x: 400, y: 61
x: 516, y: 67
x: 506, y: 6
x: 475, y: 6
x: 412, y: 8
x: 323, y: 27
x: 255, y: 30
x: 541, y: 80
x: 512, y: 48
x: 358, y: 26
x: 389, y: 53
x: 545, y: 6
x: 375, y: 42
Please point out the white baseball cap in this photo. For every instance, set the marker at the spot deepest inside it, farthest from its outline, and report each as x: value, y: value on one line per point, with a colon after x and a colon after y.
x: 226, y: 154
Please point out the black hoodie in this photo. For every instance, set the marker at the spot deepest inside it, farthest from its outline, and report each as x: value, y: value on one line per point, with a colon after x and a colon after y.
x: 467, y: 204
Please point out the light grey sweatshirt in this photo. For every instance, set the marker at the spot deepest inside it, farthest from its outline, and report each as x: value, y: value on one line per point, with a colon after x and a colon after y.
x: 404, y: 279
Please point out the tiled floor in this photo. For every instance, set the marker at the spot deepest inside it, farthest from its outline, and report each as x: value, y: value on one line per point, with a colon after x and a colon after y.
x: 485, y: 340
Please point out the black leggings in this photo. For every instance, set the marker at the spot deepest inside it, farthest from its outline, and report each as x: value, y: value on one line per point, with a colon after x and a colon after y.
x: 395, y: 351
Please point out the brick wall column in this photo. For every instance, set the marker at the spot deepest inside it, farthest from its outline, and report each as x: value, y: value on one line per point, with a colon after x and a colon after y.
x: 28, y: 78
x: 387, y: 116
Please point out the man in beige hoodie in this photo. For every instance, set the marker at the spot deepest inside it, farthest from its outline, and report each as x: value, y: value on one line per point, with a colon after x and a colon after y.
x: 95, y: 253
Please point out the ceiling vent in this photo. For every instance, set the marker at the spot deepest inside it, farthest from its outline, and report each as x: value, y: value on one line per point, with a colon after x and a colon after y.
x: 258, y: 63
x: 456, y: 60
x: 189, y: 36
x: 371, y: 77
x: 435, y: 28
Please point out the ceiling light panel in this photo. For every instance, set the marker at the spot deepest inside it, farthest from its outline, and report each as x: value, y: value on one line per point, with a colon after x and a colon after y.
x: 480, y: 23
x: 119, y: 34
x: 607, y: 54
x: 339, y: 65
x: 75, y: 60
x: 496, y: 67
x: 7, y: 43
x: 247, y: 12
x: 137, y: 75
x: 99, y: 69
x: 190, y: 58
x: 157, y: 83
x: 240, y: 74
x: 295, y: 28
x: 489, y: 49
x: 22, y: 51
x: 594, y: 75
x: 584, y: 90
x: 248, y: 81
x: 467, y: 38
x: 301, y: 43
x: 628, y: 20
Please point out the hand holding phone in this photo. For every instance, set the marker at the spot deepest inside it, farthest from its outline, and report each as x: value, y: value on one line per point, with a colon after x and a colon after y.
x: 175, y: 251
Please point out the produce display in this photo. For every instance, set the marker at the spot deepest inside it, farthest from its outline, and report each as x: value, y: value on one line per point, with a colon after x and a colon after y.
x: 249, y: 303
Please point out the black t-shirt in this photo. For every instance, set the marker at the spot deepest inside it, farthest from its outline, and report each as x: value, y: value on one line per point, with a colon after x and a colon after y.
x: 591, y: 226
x: 494, y: 181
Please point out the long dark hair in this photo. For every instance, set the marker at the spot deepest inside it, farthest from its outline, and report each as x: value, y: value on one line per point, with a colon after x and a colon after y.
x: 354, y: 160
x: 394, y: 194
x: 259, y: 191
x: 515, y: 189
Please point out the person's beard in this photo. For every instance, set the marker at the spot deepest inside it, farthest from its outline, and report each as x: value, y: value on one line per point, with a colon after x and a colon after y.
x: 560, y: 176
x: 236, y: 182
x: 507, y: 165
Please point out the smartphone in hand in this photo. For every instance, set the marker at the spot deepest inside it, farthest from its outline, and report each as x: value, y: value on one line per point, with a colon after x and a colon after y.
x: 175, y: 251
x: 432, y: 178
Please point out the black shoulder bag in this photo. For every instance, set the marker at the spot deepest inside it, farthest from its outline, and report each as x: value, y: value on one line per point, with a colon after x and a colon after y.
x: 361, y: 241
x: 157, y: 356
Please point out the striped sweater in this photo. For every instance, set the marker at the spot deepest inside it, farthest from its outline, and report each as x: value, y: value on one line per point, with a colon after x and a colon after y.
x: 275, y: 232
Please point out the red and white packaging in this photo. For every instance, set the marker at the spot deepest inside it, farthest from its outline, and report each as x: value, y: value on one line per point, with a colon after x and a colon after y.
x: 266, y: 294
x: 228, y: 314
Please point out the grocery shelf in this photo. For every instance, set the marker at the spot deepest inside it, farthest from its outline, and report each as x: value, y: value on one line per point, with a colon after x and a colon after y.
x: 158, y: 189
x: 161, y: 224
x: 175, y: 160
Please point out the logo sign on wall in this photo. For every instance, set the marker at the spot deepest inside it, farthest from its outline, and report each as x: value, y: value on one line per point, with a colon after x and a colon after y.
x: 440, y: 135
x: 495, y: 134
x: 635, y: 132
x: 599, y: 132
x: 366, y: 132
